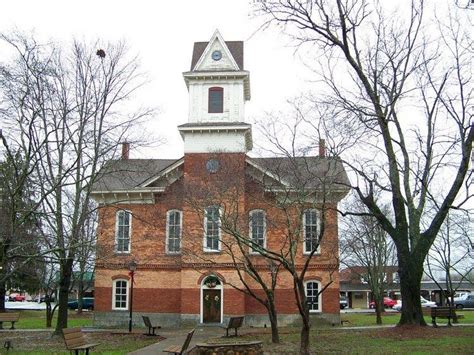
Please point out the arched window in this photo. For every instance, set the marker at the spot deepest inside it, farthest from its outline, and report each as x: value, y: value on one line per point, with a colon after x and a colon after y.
x: 123, y: 228
x: 216, y: 100
x: 257, y: 228
x: 310, y: 231
x: 313, y: 298
x: 120, y: 294
x: 173, y: 231
x: 212, y: 231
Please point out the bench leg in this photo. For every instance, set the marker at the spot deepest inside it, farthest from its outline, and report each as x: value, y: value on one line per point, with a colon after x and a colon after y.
x: 13, y: 325
x: 433, y: 321
x: 235, y: 331
x: 449, y: 322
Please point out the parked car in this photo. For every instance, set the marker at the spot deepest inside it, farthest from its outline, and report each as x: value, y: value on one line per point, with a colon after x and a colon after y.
x: 424, y: 303
x: 460, y: 296
x: 387, y: 303
x: 343, y: 302
x: 16, y: 297
x: 467, y: 302
x: 41, y: 299
x: 87, y: 303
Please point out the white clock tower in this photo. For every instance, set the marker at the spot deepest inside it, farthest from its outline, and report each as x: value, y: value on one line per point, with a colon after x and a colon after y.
x: 218, y: 87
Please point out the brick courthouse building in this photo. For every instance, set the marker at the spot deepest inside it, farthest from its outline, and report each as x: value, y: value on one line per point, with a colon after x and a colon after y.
x: 175, y: 217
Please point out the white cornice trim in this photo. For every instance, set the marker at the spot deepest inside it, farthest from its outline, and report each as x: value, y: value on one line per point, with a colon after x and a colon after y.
x: 163, y: 173
x: 226, y: 75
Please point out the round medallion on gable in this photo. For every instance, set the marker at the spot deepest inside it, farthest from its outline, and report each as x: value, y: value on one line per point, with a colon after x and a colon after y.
x: 216, y: 55
x: 212, y: 165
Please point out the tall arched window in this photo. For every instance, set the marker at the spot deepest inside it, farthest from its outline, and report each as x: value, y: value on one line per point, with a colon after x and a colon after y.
x: 311, y: 231
x: 123, y: 228
x: 216, y: 100
x: 120, y: 295
x: 173, y: 231
x: 313, y: 298
x: 212, y: 231
x: 257, y: 228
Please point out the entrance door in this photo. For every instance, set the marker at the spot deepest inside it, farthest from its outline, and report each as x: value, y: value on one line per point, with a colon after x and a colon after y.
x: 211, y: 306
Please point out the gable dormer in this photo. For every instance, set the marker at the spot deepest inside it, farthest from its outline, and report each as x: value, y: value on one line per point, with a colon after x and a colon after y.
x: 218, y: 85
x: 216, y: 55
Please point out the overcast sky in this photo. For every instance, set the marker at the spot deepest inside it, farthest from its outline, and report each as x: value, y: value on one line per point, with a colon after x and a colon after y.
x: 163, y: 33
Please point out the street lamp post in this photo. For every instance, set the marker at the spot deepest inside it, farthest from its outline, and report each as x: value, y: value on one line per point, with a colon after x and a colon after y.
x: 132, y: 266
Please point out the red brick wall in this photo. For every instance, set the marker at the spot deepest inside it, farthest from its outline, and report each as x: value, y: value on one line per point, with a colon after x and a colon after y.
x: 161, y: 286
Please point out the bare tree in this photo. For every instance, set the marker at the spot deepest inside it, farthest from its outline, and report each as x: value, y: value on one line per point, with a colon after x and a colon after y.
x: 300, y: 196
x: 227, y: 190
x: 399, y: 95
x: 450, y: 259
x: 69, y: 106
x: 365, y: 247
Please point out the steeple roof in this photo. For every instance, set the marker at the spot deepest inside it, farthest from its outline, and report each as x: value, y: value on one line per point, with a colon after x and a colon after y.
x: 236, y: 48
x: 231, y: 55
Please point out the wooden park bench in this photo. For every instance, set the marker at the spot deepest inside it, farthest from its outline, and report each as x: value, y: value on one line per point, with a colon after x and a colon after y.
x: 442, y: 312
x: 76, y: 341
x: 234, y: 323
x: 151, y: 327
x: 177, y: 349
x: 9, y: 317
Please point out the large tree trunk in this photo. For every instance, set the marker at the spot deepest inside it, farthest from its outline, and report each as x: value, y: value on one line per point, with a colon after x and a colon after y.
x: 410, y: 271
x: 3, y: 292
x: 304, y: 344
x: 379, y: 308
x: 272, y: 314
x: 64, y: 284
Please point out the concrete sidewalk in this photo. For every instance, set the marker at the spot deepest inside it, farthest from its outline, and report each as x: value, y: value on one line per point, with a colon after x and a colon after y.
x: 177, y: 337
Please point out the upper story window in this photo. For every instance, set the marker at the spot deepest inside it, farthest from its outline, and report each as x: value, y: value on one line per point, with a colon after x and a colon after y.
x: 312, y: 296
x: 216, y: 100
x: 173, y: 231
x: 212, y: 229
x: 123, y: 231
x: 310, y: 226
x: 120, y: 295
x: 257, y: 228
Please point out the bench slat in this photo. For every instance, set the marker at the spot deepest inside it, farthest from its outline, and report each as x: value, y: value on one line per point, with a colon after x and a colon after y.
x: 8, y: 317
x: 75, y: 339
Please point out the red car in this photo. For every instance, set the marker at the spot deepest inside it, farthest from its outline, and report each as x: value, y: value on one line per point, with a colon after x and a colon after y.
x: 16, y: 297
x: 387, y: 303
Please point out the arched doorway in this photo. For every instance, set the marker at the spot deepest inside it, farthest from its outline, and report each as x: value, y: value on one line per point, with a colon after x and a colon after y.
x: 212, y: 304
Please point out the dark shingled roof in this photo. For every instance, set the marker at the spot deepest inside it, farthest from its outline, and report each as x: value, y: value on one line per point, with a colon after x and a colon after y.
x: 313, y: 172
x: 127, y: 174
x: 236, y: 49
x: 307, y: 172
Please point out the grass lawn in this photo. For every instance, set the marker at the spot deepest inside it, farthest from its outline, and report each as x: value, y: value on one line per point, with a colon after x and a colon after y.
x: 367, y: 319
x: 401, y: 340
x: 37, y: 320
x: 419, y: 340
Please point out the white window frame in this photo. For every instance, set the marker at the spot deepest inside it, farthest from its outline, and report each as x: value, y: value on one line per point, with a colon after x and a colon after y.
x: 264, y: 229
x: 205, y: 248
x: 318, y: 229
x: 117, y: 232
x: 168, y: 214
x: 114, y: 293
x: 320, y: 306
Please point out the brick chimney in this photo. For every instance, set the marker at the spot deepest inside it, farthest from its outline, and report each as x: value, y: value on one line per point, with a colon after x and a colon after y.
x: 322, y: 148
x: 125, y: 150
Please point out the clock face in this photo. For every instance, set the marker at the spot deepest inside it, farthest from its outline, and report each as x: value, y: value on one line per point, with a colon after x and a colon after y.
x: 212, y: 165
x: 217, y: 55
